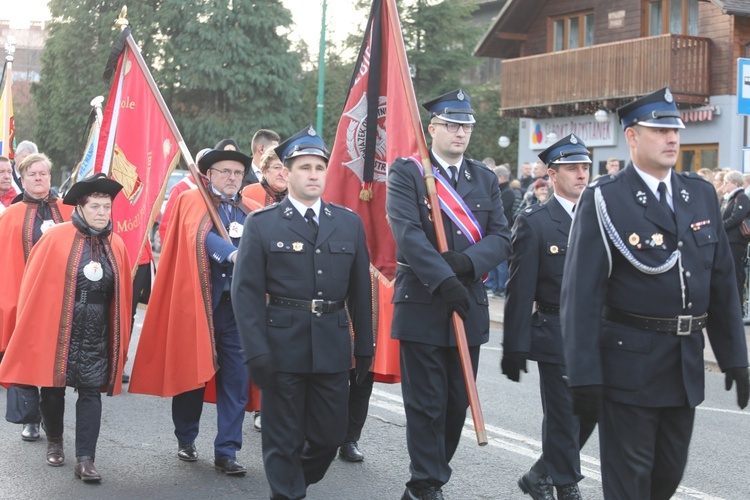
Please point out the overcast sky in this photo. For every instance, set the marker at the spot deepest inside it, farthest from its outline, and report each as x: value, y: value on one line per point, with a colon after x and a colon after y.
x: 341, y: 16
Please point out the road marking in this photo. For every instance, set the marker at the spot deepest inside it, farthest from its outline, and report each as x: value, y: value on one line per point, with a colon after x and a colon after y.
x: 518, y: 443
x: 722, y: 410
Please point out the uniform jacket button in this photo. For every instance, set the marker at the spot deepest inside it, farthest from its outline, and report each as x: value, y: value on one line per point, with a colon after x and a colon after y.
x: 320, y: 294
x: 320, y: 271
x: 317, y: 250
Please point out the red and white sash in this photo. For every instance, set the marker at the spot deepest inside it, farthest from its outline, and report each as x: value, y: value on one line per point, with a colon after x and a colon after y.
x: 453, y: 206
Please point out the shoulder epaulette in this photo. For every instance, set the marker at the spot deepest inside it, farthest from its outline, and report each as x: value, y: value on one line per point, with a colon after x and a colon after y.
x: 604, y: 179
x: 694, y: 175
x: 532, y: 209
x: 477, y: 163
x: 340, y: 206
x: 266, y: 208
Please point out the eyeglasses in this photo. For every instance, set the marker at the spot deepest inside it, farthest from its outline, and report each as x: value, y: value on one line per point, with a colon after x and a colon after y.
x: 453, y: 127
x: 228, y: 173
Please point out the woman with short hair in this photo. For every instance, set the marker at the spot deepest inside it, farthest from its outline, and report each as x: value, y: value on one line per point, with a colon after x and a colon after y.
x: 79, y: 274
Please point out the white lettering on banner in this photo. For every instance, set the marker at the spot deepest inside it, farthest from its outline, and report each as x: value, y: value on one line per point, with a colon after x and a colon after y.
x: 546, y: 132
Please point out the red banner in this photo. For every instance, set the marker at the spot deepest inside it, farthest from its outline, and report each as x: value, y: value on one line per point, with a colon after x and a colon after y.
x: 137, y: 149
x: 375, y: 129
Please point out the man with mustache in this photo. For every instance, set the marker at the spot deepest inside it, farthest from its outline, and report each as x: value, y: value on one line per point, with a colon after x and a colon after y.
x: 648, y: 267
x: 540, y: 240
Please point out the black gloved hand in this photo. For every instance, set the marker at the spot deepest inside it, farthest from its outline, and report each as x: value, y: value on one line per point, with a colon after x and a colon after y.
x: 460, y: 262
x: 261, y: 371
x: 512, y: 363
x: 362, y: 367
x: 587, y: 402
x: 739, y: 375
x: 455, y: 296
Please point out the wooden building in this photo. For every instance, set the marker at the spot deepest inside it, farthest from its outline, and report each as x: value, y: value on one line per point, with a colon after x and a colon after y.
x: 565, y: 60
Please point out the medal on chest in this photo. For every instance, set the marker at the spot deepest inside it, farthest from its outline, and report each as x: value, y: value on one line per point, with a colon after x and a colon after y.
x: 93, y: 271
x: 235, y: 229
x: 46, y: 224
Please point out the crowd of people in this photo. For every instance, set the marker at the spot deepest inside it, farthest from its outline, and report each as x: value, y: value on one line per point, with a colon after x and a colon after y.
x: 262, y: 302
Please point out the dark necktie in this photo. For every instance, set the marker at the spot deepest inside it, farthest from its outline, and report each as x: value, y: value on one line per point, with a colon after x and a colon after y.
x: 663, y: 199
x: 310, y: 216
x: 454, y: 175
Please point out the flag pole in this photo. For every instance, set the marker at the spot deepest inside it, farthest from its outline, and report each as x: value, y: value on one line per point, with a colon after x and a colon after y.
x: 10, y: 50
x: 429, y: 178
x: 122, y: 23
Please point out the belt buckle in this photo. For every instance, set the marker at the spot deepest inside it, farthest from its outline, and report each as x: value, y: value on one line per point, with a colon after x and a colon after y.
x: 316, y: 306
x: 684, y: 325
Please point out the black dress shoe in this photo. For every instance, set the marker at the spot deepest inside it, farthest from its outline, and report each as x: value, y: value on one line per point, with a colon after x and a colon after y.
x: 350, y: 452
x: 229, y: 466
x: 569, y: 492
x: 187, y: 452
x: 431, y: 493
x: 536, y: 485
x: 85, y: 470
x: 30, y: 432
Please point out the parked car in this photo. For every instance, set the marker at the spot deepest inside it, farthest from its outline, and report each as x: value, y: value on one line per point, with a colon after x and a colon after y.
x: 174, y: 178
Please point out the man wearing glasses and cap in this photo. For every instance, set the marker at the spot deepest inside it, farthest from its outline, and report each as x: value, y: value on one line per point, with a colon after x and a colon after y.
x: 430, y: 286
x: 540, y: 241
x: 648, y: 267
x: 302, y: 271
x: 189, y: 334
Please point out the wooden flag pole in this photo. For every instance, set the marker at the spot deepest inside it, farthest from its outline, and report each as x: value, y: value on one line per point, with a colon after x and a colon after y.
x: 122, y: 23
x: 429, y: 178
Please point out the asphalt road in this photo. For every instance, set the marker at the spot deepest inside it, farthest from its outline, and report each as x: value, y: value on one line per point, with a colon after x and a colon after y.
x: 136, y: 452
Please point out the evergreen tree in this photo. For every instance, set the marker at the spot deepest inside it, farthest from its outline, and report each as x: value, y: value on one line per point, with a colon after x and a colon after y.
x: 79, y: 43
x: 225, y: 71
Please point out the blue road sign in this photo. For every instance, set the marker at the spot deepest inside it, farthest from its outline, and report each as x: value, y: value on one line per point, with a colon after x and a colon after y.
x: 743, y: 86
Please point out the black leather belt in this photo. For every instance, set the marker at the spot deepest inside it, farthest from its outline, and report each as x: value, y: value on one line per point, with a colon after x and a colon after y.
x: 314, y: 306
x: 87, y: 297
x: 679, y: 325
x: 548, y: 308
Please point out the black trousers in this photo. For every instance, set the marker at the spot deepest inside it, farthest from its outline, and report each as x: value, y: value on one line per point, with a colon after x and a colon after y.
x: 39, y: 418
x: 359, y: 403
x: 739, y: 254
x: 304, y: 423
x: 435, y: 402
x: 643, y: 450
x: 88, y: 416
x: 563, y: 434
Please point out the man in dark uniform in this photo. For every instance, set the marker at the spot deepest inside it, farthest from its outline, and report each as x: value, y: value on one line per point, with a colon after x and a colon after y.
x: 430, y: 286
x: 540, y: 240
x: 648, y: 267
x: 311, y: 258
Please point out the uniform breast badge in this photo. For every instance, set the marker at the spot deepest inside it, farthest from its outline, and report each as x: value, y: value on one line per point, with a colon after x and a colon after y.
x: 657, y: 239
x: 298, y: 246
x: 553, y: 249
x: 696, y: 226
x: 633, y: 239
x: 279, y: 244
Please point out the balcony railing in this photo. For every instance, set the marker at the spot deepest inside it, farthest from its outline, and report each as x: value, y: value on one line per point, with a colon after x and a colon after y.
x: 612, y: 71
